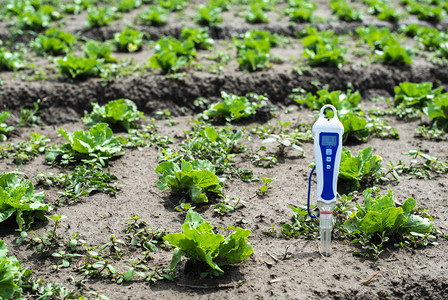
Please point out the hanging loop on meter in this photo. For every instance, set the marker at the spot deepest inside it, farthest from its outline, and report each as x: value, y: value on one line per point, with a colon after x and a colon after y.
x: 321, y: 113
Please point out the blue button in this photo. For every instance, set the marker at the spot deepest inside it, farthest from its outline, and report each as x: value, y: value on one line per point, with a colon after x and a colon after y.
x: 328, y: 167
x: 328, y: 152
x: 328, y: 158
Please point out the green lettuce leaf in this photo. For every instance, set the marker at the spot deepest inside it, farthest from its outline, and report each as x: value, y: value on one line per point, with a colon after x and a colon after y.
x: 414, y: 223
x: 380, y: 215
x: 197, y: 241
x: 232, y: 108
x: 387, y: 220
x: 4, y: 128
x: 195, y: 178
x: 355, y: 127
x: 17, y: 196
x: 10, y: 272
x: 344, y: 103
x: 357, y: 168
x: 77, y: 66
x: 99, y: 140
x: 122, y: 111
x: 437, y: 110
x: 417, y: 95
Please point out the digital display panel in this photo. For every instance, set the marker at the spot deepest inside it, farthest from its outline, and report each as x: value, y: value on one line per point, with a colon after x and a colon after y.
x: 329, y: 140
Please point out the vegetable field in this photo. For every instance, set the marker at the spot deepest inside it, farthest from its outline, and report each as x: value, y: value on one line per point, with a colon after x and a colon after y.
x: 162, y: 148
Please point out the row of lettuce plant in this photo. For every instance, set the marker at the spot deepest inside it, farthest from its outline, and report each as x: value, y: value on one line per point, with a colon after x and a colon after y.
x: 38, y: 15
x: 322, y: 48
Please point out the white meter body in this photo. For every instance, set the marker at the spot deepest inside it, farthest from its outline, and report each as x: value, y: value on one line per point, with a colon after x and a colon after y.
x: 327, y: 151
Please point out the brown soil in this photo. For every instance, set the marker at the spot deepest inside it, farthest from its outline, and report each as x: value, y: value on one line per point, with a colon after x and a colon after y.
x: 280, y: 268
x: 299, y: 272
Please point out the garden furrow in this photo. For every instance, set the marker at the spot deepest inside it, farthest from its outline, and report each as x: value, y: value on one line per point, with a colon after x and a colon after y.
x: 62, y: 100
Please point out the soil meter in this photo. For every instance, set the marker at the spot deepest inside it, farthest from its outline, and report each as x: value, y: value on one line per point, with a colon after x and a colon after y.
x: 327, y: 153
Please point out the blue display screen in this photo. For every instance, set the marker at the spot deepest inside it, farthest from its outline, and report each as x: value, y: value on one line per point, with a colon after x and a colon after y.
x: 329, y: 140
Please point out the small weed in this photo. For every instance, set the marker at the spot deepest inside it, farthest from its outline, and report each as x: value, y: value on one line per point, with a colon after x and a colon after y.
x: 30, y: 117
x: 5, y: 129
x: 265, y: 188
x: 227, y: 205
x: 303, y: 225
x: 51, y: 239
x: 430, y: 167
x: 259, y: 160
x: 84, y: 180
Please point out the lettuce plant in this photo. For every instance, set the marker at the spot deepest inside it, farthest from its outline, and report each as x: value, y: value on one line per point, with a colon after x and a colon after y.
x: 77, y: 66
x: 15, y: 8
x: 77, y: 6
x: 300, y: 15
x: 355, y: 128
x: 180, y: 48
x: 10, y: 272
x: 431, y: 38
x: 425, y: 12
x: 256, y: 14
x: 326, y: 55
x: 361, y: 168
x: 173, y: 5
x: 321, y: 48
x: 129, y: 40
x: 199, y: 37
x: 194, y: 179
x: 394, y: 54
x: 383, y: 11
x: 4, y: 128
x: 345, y: 12
x: 247, y: 39
x: 222, y: 4
x: 198, y: 242
x: 100, y: 16
x: 252, y: 60
x: 172, y: 54
x: 11, y: 60
x: 155, y: 16
x: 208, y: 15
x: 300, y: 10
x: 343, y: 102
x: 97, y: 50
x: 252, y: 42
x: 128, y: 5
x: 232, y: 107
x: 169, y: 62
x: 380, y: 215
x: 17, y: 197
x: 37, y: 19
x: 53, y: 42
x: 387, y: 47
x: 442, y: 51
x: 98, y: 143
x: 253, y: 54
x: 378, y: 38
x: 411, y: 30
x: 416, y: 95
x: 122, y: 112
x: 437, y: 110
x: 313, y: 37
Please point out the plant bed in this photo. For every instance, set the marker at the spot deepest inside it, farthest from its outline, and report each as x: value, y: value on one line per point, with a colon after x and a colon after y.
x: 234, y: 145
